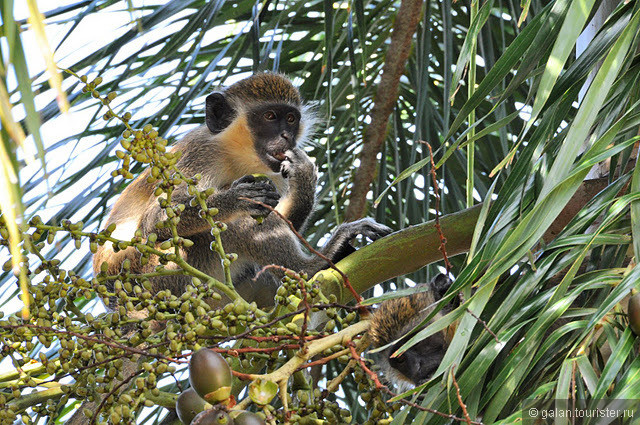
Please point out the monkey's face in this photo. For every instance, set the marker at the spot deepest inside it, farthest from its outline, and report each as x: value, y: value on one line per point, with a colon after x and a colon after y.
x: 418, y: 364
x: 275, y: 128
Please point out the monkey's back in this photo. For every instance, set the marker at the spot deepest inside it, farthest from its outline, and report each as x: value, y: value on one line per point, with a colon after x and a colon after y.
x: 394, y: 316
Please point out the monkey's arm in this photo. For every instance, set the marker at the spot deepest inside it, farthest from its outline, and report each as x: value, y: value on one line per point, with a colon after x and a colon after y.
x: 272, y: 242
x: 302, y: 176
x: 297, y: 205
x: 339, y: 246
x: 276, y: 244
x: 227, y: 202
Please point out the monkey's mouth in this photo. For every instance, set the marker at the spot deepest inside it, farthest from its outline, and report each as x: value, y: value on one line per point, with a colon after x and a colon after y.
x: 280, y: 156
x: 275, y: 160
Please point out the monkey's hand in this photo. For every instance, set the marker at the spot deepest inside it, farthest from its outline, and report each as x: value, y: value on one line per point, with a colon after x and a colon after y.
x: 254, y: 189
x: 367, y: 227
x: 298, y: 166
x: 339, y: 246
x: 301, y: 174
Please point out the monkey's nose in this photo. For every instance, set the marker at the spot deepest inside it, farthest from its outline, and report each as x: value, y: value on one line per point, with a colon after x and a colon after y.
x: 286, y: 136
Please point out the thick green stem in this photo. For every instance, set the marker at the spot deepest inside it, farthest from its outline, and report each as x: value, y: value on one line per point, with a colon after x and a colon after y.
x: 313, y: 348
x: 417, y: 246
x: 36, y: 398
x: 400, y: 253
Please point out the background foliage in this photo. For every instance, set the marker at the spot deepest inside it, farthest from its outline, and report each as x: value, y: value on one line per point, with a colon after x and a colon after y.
x: 528, y: 111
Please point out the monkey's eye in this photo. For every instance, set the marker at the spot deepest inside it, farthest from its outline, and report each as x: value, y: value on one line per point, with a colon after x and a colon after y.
x: 291, y: 118
x: 269, y: 115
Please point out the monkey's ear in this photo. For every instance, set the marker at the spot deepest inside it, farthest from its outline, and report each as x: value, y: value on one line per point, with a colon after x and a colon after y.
x: 440, y: 285
x: 218, y: 111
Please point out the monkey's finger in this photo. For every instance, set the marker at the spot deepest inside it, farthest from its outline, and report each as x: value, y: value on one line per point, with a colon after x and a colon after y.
x: 253, y: 197
x: 370, y: 228
x: 258, y: 210
x: 296, y: 154
x: 253, y: 191
x: 268, y: 185
x: 285, y: 168
x: 244, y: 180
x: 377, y: 232
x: 260, y: 184
x: 290, y: 155
x: 247, y: 189
x: 272, y: 201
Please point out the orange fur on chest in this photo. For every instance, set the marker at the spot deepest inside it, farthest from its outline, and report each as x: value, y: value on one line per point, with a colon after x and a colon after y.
x: 240, y: 154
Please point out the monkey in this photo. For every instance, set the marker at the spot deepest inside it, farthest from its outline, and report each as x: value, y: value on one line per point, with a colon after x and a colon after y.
x: 256, y: 125
x: 397, y: 317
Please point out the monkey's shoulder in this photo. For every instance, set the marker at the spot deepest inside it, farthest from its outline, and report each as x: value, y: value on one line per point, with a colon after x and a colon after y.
x: 135, y: 197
